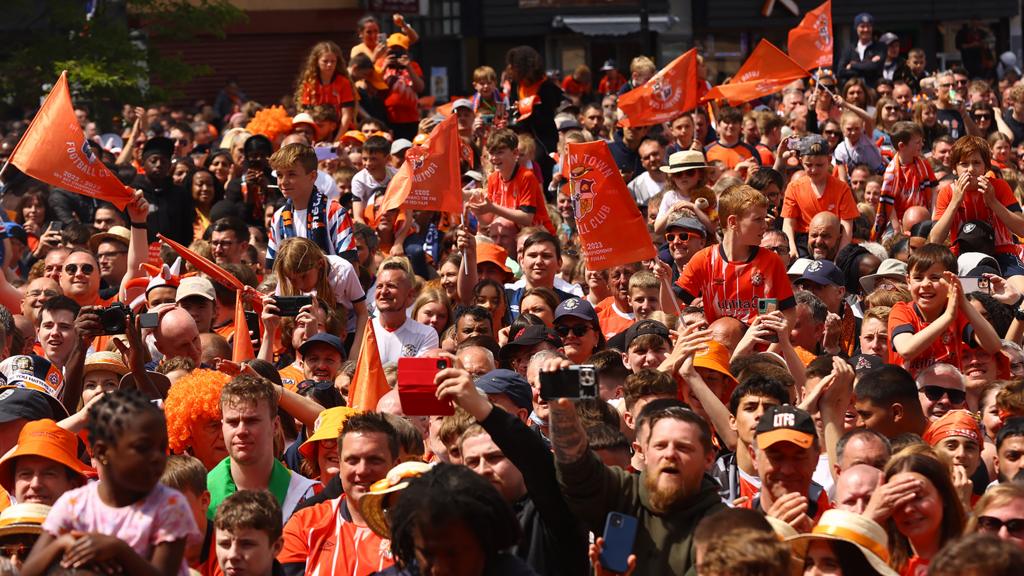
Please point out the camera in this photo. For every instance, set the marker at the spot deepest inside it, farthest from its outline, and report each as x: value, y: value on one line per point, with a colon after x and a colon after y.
x: 114, y: 319
x: 578, y: 381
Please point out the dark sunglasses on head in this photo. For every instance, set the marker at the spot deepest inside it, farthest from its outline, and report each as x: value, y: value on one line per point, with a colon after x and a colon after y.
x: 935, y: 393
x: 72, y: 269
x: 991, y: 524
x: 577, y: 330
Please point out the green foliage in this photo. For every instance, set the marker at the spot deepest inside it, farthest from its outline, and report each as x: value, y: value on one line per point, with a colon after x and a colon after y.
x: 111, y: 59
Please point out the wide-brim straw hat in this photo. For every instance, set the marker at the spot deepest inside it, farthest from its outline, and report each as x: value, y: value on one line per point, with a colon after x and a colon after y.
x: 839, y: 525
x: 683, y: 161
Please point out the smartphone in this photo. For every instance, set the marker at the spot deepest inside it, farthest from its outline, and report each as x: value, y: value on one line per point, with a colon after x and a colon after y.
x: 252, y: 325
x: 149, y: 320
x: 289, y: 306
x: 767, y: 306
x: 325, y: 153
x: 619, y: 535
x: 416, y: 388
x: 976, y: 285
x: 579, y: 381
x: 56, y: 225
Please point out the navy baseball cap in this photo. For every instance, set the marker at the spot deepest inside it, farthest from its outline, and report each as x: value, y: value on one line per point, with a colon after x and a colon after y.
x: 644, y: 327
x: 822, y: 273
x: 509, y: 383
x: 324, y: 338
x: 863, y: 18
x: 578, y: 307
x: 864, y: 362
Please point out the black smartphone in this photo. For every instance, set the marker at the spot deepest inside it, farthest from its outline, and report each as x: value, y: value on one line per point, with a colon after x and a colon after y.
x: 56, y: 225
x: 619, y: 535
x: 579, y: 381
x: 289, y: 306
x: 252, y: 324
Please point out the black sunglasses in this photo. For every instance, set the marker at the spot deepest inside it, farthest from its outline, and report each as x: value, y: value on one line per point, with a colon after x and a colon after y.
x: 578, y: 330
x: 990, y: 524
x: 72, y: 269
x: 935, y: 393
x: 307, y: 385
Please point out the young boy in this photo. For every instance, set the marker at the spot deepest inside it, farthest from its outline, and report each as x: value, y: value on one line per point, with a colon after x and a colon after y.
x: 856, y: 148
x: 818, y: 191
x: 248, y: 534
x: 512, y: 191
x: 976, y: 194
x: 735, y: 275
x: 908, y: 181
x: 307, y: 212
x: 488, y: 102
x: 644, y: 294
x: 187, y: 475
x: 373, y: 178
x: 939, y: 321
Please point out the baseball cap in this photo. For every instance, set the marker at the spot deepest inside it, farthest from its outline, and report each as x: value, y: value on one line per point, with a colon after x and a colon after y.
x: 324, y: 338
x: 785, y: 423
x: 644, y: 327
x: 609, y: 64
x: 976, y: 236
x: 796, y: 269
x: 398, y: 39
x: 509, y: 383
x: 822, y: 273
x: 159, y: 145
x: 303, y: 118
x: 577, y: 307
x: 889, y: 38
x: 195, y: 286
x: 461, y: 103
x: 399, y: 145
x: 863, y: 18
x: 566, y: 122
x: 327, y: 427
x: 26, y: 403
x: 864, y: 362
x: 690, y: 224
x: 530, y: 336
x: 115, y: 233
x: 973, y: 264
x: 353, y: 137
x: 32, y: 372
x: 45, y: 439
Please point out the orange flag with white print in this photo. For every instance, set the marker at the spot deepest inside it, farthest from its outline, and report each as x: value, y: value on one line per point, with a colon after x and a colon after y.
x: 242, y: 345
x: 54, y: 150
x: 810, y: 44
x: 430, y: 178
x: 612, y: 230
x: 767, y: 71
x: 674, y: 90
x: 368, y: 383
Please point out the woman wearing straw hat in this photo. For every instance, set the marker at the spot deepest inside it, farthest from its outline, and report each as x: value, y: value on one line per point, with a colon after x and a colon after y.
x: 686, y: 190
x: 843, y: 543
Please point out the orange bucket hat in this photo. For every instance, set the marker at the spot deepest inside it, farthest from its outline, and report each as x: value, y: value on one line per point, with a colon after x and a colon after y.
x: 43, y: 438
x: 716, y: 358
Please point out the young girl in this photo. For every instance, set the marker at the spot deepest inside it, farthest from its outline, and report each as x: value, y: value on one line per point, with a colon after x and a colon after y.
x: 686, y: 185
x: 926, y: 115
x: 302, y: 268
x: 127, y: 520
x: 490, y: 295
x: 324, y: 80
x: 1001, y: 150
x: 432, y: 308
x: 205, y: 193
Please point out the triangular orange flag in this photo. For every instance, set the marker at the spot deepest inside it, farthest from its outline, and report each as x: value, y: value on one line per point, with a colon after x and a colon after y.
x: 215, y: 272
x: 55, y: 151
x: 368, y: 383
x: 674, y: 90
x: 810, y: 44
x: 765, y: 72
x: 612, y: 231
x: 242, y: 346
x: 430, y: 178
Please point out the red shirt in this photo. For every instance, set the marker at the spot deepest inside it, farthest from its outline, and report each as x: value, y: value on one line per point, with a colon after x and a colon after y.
x: 801, y: 202
x: 338, y: 93
x: 324, y: 540
x: 402, y: 102
x: 571, y: 86
x: 909, y: 185
x: 731, y: 155
x: 607, y: 85
x: 906, y: 318
x: 523, y: 193
x: 612, y: 320
x: 733, y: 288
x: 973, y: 207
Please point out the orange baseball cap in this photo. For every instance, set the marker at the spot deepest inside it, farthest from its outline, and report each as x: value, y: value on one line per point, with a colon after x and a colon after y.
x: 353, y: 137
x: 494, y: 254
x: 398, y: 39
x: 43, y: 438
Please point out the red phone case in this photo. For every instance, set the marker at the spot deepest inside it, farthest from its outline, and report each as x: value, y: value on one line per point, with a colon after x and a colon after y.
x: 416, y: 388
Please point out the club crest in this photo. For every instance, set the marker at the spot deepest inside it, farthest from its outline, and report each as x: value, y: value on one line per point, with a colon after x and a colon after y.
x: 582, y: 191
x: 417, y: 156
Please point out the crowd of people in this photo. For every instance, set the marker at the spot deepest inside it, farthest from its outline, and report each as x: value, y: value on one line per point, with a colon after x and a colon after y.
x: 821, y: 372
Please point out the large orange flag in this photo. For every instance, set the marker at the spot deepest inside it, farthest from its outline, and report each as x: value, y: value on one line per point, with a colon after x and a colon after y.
x: 767, y: 71
x: 203, y: 265
x: 368, y: 383
x: 430, y: 178
x: 612, y: 231
x: 810, y: 44
x: 55, y: 151
x: 675, y: 89
x: 242, y: 345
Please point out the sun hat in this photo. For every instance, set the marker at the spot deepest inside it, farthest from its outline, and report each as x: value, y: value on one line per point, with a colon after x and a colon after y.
x: 683, y: 161
x: 715, y: 357
x: 24, y: 518
x: 115, y: 233
x: 110, y: 361
x: 493, y: 254
x: 843, y: 526
x: 45, y: 439
x: 889, y: 268
x: 327, y: 427
x: 375, y: 502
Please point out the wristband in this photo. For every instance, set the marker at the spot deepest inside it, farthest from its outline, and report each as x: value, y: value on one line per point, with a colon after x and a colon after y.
x: 141, y: 225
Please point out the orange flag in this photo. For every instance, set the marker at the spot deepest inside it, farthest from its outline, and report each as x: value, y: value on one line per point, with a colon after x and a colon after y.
x: 810, y: 43
x: 765, y: 72
x: 612, y: 231
x: 242, y: 348
x: 215, y: 272
x: 368, y: 383
x: 430, y: 178
x: 675, y: 89
x: 55, y: 151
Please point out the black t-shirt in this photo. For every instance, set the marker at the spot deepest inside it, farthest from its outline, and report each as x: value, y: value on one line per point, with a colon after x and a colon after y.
x: 953, y: 122
x: 1016, y: 127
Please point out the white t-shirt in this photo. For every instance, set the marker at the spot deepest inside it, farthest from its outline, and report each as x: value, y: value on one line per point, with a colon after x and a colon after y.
x: 327, y: 185
x: 364, y: 184
x: 299, y: 220
x: 560, y: 284
x: 643, y: 188
x: 409, y: 340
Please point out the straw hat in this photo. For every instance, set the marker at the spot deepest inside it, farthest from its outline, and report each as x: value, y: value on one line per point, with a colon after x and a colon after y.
x: 685, y: 160
x: 374, y: 504
x: 866, y: 534
x: 327, y: 427
x: 110, y: 361
x: 25, y: 518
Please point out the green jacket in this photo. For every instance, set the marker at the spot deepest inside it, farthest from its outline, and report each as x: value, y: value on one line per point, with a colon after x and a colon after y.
x: 664, y: 543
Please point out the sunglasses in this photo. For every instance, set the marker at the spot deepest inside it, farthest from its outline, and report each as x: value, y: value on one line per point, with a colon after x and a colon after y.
x: 72, y: 269
x: 577, y: 330
x: 935, y: 393
x: 992, y: 525
x: 980, y: 117
x: 890, y: 108
x: 833, y: 133
x: 673, y: 236
x: 307, y: 385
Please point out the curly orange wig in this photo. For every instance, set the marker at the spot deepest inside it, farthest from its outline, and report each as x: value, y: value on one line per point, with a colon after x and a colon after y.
x: 192, y: 401
x: 273, y: 122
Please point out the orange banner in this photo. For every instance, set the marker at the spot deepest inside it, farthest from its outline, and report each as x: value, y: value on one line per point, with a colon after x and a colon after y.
x: 55, y: 151
x: 612, y: 231
x: 368, y: 382
x: 242, y: 346
x: 765, y: 72
x: 216, y: 273
x: 810, y: 44
x: 674, y: 90
x: 430, y: 178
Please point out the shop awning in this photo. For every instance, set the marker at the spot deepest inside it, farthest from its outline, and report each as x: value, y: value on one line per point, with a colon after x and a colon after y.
x: 614, y: 25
